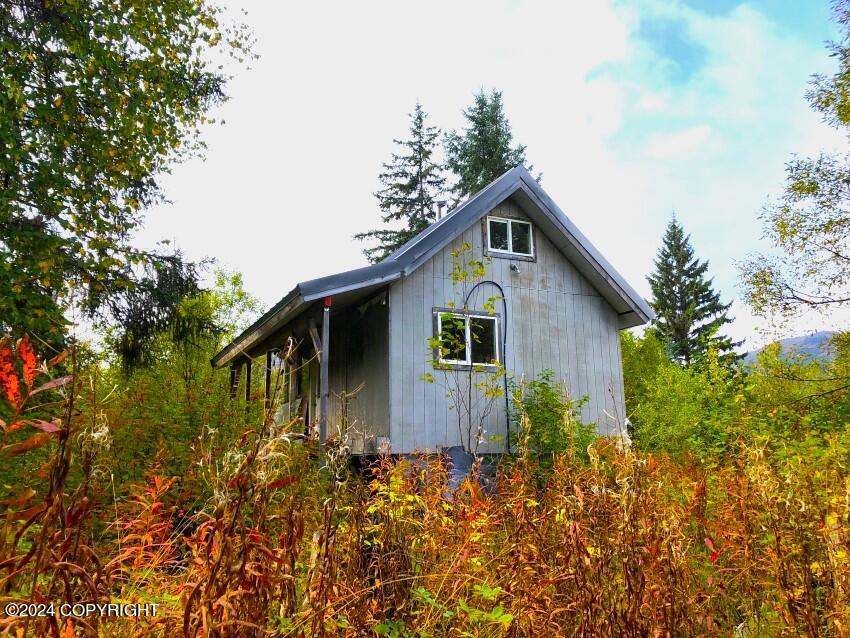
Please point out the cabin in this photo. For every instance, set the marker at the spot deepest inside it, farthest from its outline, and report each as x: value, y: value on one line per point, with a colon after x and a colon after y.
x: 413, y: 353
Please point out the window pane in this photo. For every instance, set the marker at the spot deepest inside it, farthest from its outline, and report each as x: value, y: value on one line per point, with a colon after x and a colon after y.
x: 452, y: 337
x: 521, y: 238
x: 482, y: 332
x: 498, y: 235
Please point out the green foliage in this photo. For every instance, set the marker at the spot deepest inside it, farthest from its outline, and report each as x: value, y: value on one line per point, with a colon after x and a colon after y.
x: 810, y: 223
x: 96, y: 100
x: 756, y: 541
x: 689, y: 313
x: 676, y: 409
x: 791, y: 399
x: 151, y: 306
x: 553, y: 421
x: 412, y: 184
x: 483, y: 151
x: 784, y: 403
x: 158, y: 411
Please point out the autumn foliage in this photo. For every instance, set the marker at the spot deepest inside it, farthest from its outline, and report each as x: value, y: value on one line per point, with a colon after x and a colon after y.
x: 282, y: 538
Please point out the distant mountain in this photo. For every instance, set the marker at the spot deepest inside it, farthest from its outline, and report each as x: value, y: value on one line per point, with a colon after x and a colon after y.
x: 813, y: 346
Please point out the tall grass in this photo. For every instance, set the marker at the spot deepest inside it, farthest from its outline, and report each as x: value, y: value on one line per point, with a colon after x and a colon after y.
x: 288, y: 541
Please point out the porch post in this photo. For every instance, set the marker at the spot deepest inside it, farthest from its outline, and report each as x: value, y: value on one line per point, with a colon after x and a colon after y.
x: 234, y: 381
x: 268, y: 392
x: 248, y: 379
x: 323, y: 371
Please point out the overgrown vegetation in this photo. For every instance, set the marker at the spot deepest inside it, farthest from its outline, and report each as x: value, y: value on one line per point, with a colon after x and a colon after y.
x: 731, y: 516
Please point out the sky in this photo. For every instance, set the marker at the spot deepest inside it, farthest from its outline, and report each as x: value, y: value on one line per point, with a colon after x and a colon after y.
x: 633, y: 111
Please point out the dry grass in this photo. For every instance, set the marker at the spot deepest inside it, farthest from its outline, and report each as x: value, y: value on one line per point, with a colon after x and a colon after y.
x: 291, y: 543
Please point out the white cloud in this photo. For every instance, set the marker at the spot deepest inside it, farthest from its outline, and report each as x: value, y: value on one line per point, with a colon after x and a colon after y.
x: 289, y: 179
x: 653, y: 101
x: 671, y: 146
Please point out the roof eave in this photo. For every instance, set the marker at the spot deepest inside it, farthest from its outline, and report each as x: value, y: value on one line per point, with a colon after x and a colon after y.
x: 259, y: 330
x: 639, y: 308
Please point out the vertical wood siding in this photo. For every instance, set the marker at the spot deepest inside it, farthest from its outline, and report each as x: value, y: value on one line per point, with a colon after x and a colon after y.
x: 555, y: 320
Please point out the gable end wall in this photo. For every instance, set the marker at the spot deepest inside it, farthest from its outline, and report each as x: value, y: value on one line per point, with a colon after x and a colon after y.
x: 555, y: 320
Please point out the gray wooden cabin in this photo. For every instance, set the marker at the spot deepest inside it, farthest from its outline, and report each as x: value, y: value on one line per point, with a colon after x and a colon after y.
x: 364, y: 334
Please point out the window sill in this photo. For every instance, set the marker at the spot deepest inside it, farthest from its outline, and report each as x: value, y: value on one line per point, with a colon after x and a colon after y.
x: 474, y: 367
x: 498, y: 254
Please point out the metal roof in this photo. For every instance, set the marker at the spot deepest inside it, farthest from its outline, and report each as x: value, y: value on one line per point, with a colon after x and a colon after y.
x: 516, y: 183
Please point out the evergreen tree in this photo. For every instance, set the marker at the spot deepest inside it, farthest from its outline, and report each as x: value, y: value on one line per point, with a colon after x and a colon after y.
x: 412, y: 183
x: 483, y: 151
x: 689, y: 313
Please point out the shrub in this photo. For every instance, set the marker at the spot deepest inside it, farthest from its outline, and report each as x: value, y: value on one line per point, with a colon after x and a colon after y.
x: 552, y: 423
x: 677, y: 409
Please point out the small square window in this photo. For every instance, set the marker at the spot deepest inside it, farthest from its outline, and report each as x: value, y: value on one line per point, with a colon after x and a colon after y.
x: 509, y: 236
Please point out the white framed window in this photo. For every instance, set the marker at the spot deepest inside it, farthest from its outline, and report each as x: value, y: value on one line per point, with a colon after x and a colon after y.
x: 509, y: 236
x: 467, y: 338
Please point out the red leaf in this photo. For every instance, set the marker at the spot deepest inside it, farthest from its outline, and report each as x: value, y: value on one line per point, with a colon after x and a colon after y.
x: 282, y: 482
x: 45, y: 426
x: 236, y: 481
x: 8, y: 376
x: 713, y: 557
x: 29, y: 359
x: 53, y: 383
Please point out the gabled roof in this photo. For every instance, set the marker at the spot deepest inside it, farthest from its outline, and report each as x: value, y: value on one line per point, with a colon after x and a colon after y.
x: 516, y: 183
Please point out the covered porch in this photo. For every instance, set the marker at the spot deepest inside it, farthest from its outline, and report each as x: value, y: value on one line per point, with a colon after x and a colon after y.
x: 324, y: 366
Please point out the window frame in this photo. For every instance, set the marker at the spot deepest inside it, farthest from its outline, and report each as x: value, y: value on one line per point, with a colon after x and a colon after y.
x: 510, y: 252
x: 467, y: 315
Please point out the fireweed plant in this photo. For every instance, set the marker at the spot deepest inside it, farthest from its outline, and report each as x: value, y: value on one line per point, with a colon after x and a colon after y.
x: 266, y: 534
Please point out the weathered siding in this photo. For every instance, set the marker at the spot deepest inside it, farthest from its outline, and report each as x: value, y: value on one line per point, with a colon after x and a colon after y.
x: 555, y: 320
x: 359, y: 352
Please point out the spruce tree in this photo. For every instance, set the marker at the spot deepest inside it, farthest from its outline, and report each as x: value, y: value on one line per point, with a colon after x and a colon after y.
x: 412, y: 183
x: 482, y: 151
x: 689, y: 313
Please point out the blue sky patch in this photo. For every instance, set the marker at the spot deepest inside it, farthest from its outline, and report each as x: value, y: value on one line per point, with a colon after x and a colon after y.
x: 669, y: 39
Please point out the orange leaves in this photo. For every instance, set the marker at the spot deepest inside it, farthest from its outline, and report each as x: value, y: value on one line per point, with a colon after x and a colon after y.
x: 13, y: 385
x: 29, y: 360
x: 19, y: 499
x: 35, y: 441
x: 8, y: 374
x: 282, y: 482
x: 9, y: 379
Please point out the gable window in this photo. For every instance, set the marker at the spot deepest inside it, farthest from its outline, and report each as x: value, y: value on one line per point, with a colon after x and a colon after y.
x: 467, y: 339
x: 509, y: 236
